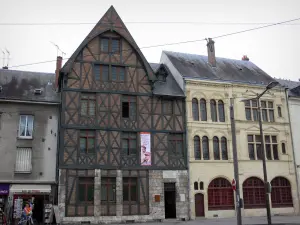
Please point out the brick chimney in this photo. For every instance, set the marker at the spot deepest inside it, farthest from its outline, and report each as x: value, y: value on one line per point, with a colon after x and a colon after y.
x: 245, y: 58
x: 58, y: 67
x: 211, y: 54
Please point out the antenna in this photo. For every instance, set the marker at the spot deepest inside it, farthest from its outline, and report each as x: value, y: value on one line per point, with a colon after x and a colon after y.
x: 8, y: 53
x: 3, y: 57
x: 58, y: 49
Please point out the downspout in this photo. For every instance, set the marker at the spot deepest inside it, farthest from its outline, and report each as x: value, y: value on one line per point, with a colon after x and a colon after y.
x: 187, y: 150
x: 294, y: 159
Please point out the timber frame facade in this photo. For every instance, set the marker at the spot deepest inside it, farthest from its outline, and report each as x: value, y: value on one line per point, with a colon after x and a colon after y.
x: 108, y: 101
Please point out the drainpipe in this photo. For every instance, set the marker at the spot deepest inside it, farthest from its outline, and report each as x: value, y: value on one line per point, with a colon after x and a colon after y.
x: 294, y: 159
x: 187, y: 150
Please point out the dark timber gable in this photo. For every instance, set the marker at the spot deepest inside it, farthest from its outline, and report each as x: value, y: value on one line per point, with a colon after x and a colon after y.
x: 108, y: 98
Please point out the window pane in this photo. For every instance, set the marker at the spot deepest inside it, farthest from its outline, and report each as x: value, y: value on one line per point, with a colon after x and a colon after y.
x: 179, y: 148
x: 268, y: 152
x: 197, y: 152
x: 103, y: 192
x: 213, y: 109
x: 90, y: 192
x: 112, y: 193
x: 265, y: 115
x: 97, y: 72
x: 271, y: 114
x: 84, y: 106
x: 122, y: 73
x: 29, y: 126
x: 81, y: 192
x: 275, y: 152
x: 133, y: 193
x: 257, y: 138
x: 132, y: 110
x: 91, y: 145
x: 224, y: 148
x: 254, y: 103
x: 267, y: 139
x: 203, y: 110
x: 216, y: 148
x: 83, y: 145
x: 195, y: 185
x: 251, y: 151
x: 205, y: 148
x: 22, y: 125
x: 105, y: 73
x: 283, y: 148
x: 114, y: 73
x: 250, y: 138
x: 247, y: 103
x: 195, y: 110
x: 92, y: 108
x: 115, y: 46
x: 125, y: 146
x: 263, y: 104
x: 270, y: 105
x: 258, y: 152
x: 274, y: 139
x: 279, y: 111
x: 221, y: 111
x: 255, y: 114
x: 125, y: 192
x: 248, y: 113
x: 104, y: 45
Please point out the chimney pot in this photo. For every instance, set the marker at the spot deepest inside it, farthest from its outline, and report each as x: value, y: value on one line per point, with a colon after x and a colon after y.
x: 211, y: 52
x: 58, y: 67
x: 245, y: 58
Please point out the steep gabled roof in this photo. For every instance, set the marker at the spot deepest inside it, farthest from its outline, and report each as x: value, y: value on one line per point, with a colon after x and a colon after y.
x: 197, y: 66
x: 111, y: 21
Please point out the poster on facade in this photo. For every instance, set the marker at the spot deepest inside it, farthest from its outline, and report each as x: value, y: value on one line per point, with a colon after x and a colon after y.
x: 145, y: 148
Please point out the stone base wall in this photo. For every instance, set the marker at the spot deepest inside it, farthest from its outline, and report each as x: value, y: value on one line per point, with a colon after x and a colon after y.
x: 157, y: 178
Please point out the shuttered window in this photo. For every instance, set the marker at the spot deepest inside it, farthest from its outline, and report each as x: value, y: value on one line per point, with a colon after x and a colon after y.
x: 23, y: 160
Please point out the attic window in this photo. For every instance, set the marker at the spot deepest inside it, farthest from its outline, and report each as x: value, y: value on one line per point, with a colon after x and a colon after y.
x: 161, y: 75
x: 37, y: 91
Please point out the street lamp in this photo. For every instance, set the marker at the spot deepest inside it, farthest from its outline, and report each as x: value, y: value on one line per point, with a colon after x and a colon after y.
x: 269, y: 86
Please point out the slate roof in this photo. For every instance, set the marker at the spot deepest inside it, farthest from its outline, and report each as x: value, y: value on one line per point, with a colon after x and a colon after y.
x: 293, y: 86
x: 197, y: 66
x: 168, y: 88
x: 20, y: 85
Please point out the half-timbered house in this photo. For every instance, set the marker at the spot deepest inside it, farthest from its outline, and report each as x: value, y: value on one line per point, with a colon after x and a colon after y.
x: 122, y: 132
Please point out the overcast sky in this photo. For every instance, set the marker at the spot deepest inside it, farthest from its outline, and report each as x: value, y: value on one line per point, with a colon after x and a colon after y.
x: 273, y: 49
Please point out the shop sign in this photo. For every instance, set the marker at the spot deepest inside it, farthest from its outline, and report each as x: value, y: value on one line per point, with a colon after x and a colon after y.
x: 4, y: 189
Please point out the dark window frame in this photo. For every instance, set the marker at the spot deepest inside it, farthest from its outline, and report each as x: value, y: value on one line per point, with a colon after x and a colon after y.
x: 131, y: 149
x: 196, y: 186
x: 173, y: 140
x: 216, y: 148
x: 224, y: 148
x: 86, y: 182
x: 110, y: 45
x: 281, y: 195
x: 203, y: 109
x: 254, y: 193
x: 86, y: 135
x: 103, y: 77
x: 129, y: 107
x: 283, y: 148
x: 130, y: 182
x: 221, y: 111
x: 108, y: 183
x: 88, y: 98
x: 195, y: 109
x: 279, y: 111
x: 197, y: 148
x: 167, y: 107
x: 220, y: 195
x: 205, y: 141
x: 213, y: 110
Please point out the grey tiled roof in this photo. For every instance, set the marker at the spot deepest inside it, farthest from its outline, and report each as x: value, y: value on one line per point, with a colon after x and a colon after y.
x: 293, y: 86
x: 20, y: 85
x: 168, y: 88
x: 197, y: 66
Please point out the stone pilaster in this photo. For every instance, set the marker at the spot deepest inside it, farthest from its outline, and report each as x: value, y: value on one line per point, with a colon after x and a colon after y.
x: 97, y: 193
x: 62, y: 193
x: 119, y: 193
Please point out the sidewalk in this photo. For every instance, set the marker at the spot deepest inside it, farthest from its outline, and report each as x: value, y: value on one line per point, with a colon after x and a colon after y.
x: 249, y: 221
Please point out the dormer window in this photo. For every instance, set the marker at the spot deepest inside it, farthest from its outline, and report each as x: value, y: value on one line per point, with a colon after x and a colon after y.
x: 161, y: 78
x: 161, y: 74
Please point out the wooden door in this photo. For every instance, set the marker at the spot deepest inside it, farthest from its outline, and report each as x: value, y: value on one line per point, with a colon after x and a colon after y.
x: 199, y: 205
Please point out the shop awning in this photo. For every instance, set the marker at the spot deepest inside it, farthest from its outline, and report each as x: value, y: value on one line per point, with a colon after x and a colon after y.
x: 30, y: 188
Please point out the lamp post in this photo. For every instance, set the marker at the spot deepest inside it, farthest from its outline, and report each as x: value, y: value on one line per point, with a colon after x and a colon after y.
x: 269, y: 86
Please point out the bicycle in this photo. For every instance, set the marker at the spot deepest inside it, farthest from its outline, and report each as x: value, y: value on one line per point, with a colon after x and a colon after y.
x: 25, y: 220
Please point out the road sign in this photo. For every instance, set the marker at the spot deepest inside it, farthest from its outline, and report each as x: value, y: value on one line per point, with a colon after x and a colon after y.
x: 233, y: 184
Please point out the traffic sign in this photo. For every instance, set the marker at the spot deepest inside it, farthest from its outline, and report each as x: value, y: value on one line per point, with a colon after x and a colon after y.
x: 233, y: 184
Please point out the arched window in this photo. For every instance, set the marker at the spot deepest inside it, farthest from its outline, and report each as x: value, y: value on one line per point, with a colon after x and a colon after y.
x: 224, y: 148
x: 196, y: 186
x: 216, y: 148
x: 205, y: 148
x: 221, y: 111
x: 254, y: 193
x: 213, y: 110
x: 197, y: 149
x: 203, y: 111
x: 195, y: 109
x: 279, y: 111
x: 220, y: 195
x: 201, y: 185
x: 281, y: 194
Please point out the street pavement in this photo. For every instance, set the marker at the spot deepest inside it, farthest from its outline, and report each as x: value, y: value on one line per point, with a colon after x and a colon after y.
x: 276, y: 220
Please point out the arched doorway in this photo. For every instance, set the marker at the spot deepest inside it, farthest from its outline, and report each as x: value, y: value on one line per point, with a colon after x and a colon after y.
x: 199, y: 205
x: 281, y: 195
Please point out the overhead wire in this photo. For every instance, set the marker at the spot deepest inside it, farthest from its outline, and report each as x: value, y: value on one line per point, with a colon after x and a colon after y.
x: 181, y: 42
